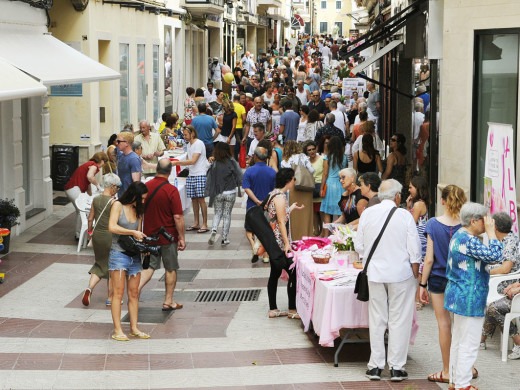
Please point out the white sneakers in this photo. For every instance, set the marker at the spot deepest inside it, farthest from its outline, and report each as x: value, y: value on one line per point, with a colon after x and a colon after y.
x: 515, y: 354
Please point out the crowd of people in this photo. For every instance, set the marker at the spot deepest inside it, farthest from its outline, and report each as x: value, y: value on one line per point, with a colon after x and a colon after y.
x: 279, y: 119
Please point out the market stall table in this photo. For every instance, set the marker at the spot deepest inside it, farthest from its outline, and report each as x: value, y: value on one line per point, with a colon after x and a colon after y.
x: 331, y: 305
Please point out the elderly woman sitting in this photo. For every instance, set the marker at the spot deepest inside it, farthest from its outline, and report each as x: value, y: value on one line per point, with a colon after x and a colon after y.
x: 497, y: 310
x: 467, y: 288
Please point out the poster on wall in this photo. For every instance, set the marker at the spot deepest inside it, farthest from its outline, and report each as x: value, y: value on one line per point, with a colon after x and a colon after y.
x: 499, y: 184
x: 351, y: 85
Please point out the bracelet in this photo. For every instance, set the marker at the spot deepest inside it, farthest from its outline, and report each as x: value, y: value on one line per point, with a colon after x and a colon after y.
x: 423, y: 285
x: 89, y: 232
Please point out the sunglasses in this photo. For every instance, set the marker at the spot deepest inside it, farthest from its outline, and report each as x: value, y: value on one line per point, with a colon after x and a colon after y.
x: 120, y: 140
x: 311, y: 150
x: 393, y: 140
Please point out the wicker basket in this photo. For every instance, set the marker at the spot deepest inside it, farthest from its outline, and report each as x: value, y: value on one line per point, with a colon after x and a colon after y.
x: 320, y: 259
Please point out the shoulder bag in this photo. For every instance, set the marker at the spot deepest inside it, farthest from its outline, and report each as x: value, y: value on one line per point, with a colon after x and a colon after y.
x: 361, y: 288
x: 89, y: 244
x: 304, y: 179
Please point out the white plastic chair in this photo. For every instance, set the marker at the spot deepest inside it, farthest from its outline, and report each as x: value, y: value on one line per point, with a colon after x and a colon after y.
x: 495, y: 280
x: 514, y: 313
x: 83, y: 203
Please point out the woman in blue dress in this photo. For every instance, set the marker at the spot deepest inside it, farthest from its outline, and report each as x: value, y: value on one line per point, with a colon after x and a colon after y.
x: 333, y: 162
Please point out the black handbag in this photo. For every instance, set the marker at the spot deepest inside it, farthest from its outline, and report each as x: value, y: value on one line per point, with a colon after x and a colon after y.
x: 361, y: 288
x: 259, y: 224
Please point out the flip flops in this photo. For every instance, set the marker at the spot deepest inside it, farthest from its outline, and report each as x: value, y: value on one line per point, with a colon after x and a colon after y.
x: 202, y: 230
x: 140, y: 335
x: 120, y: 337
x: 168, y: 307
x: 192, y: 228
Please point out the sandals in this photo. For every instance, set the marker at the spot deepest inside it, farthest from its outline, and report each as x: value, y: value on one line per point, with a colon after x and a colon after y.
x: 192, y: 228
x: 120, y: 337
x: 437, y: 377
x: 277, y: 313
x: 293, y: 316
x: 201, y: 230
x: 140, y: 335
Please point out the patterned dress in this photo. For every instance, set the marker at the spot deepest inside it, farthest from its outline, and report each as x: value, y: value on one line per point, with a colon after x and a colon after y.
x: 189, y: 104
x: 421, y: 230
x: 468, y: 281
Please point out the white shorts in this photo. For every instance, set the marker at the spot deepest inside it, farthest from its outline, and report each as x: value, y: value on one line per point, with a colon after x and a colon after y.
x: 222, y: 138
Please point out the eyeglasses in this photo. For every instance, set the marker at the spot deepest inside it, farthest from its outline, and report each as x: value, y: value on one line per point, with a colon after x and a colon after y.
x: 393, y: 140
x: 120, y: 140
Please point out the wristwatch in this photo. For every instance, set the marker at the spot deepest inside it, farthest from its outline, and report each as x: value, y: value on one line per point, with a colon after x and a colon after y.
x: 423, y: 285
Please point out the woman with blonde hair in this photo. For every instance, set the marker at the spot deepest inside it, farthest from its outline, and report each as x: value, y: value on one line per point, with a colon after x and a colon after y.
x: 439, y: 232
x: 301, y: 223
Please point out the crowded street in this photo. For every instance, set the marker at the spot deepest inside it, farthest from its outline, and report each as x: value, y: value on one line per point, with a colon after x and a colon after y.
x: 282, y: 194
x: 48, y: 339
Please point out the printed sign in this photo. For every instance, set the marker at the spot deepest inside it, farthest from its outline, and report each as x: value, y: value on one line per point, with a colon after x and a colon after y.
x: 351, y: 85
x: 499, y: 185
x: 304, y: 295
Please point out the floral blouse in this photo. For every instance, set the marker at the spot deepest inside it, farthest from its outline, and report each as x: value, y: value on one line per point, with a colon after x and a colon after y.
x: 274, y: 221
x: 468, y: 281
x: 189, y: 104
x: 510, y: 253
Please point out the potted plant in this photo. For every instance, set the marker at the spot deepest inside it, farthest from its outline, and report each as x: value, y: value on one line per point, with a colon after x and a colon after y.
x: 342, y: 239
x: 9, y: 215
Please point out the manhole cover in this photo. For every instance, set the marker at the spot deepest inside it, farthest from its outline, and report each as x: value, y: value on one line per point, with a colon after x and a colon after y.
x: 228, y: 295
x: 151, y: 315
x: 184, y: 275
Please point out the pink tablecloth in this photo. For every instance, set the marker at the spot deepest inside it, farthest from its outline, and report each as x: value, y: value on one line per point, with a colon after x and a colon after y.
x: 330, y: 307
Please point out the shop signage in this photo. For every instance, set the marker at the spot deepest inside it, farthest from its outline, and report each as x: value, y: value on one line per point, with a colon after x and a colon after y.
x: 499, y: 183
x: 351, y: 85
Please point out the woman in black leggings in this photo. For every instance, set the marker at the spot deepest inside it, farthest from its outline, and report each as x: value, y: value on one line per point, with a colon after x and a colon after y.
x: 279, y: 212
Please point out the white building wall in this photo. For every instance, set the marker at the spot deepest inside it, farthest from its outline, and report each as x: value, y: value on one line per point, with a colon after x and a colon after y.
x: 461, y: 19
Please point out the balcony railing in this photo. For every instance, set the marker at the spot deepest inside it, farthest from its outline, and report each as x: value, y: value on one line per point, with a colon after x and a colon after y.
x: 219, y: 3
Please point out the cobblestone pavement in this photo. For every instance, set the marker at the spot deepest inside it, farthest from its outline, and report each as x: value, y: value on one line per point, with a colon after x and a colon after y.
x: 49, y: 340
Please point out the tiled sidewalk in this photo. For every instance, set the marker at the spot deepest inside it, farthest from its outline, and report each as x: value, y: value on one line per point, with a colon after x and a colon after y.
x: 49, y: 340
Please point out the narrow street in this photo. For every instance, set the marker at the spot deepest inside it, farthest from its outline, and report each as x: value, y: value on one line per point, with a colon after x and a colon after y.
x: 49, y: 340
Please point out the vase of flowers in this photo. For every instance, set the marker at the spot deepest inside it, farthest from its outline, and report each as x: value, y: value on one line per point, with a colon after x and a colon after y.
x: 343, y: 241
x: 9, y: 215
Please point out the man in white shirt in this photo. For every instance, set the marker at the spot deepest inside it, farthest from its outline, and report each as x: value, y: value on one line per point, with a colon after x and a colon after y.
x: 337, y: 98
x: 341, y: 121
x: 418, y: 120
x: 326, y: 55
x: 210, y: 94
x: 392, y: 273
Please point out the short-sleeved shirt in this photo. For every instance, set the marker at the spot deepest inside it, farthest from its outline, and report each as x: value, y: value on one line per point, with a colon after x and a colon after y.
x: 254, y: 117
x: 200, y: 168
x: 373, y: 98
x: 239, y: 110
x: 441, y: 235
x: 155, y: 144
x: 204, y: 124
x: 290, y: 120
x: 126, y: 165
x: 161, y: 209
x: 79, y: 177
x: 227, y: 123
x: 260, y: 179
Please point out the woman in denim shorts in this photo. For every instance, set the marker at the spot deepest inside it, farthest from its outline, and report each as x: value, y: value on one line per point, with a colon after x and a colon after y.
x: 439, y: 232
x: 126, y: 219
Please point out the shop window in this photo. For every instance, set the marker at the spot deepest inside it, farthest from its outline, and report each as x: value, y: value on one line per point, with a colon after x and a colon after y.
x: 155, y: 83
x: 323, y: 28
x: 141, y: 82
x: 495, y: 94
x: 124, y: 92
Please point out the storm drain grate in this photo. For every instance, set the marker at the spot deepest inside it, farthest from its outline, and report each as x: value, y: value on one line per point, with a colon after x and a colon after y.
x: 228, y: 295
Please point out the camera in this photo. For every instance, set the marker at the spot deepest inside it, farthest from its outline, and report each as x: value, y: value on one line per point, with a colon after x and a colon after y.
x: 133, y: 247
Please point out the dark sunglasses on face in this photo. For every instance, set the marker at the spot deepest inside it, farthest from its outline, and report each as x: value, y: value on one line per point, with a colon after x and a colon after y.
x: 393, y: 140
x: 120, y: 140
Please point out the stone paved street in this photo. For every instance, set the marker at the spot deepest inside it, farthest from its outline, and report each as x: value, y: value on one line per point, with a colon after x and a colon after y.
x: 49, y: 340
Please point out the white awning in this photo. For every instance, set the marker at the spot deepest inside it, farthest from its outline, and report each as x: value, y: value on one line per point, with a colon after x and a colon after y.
x: 365, y: 64
x: 15, y: 84
x: 50, y: 60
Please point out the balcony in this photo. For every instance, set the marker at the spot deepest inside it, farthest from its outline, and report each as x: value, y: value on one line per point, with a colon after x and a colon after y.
x: 202, y: 7
x: 263, y: 5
